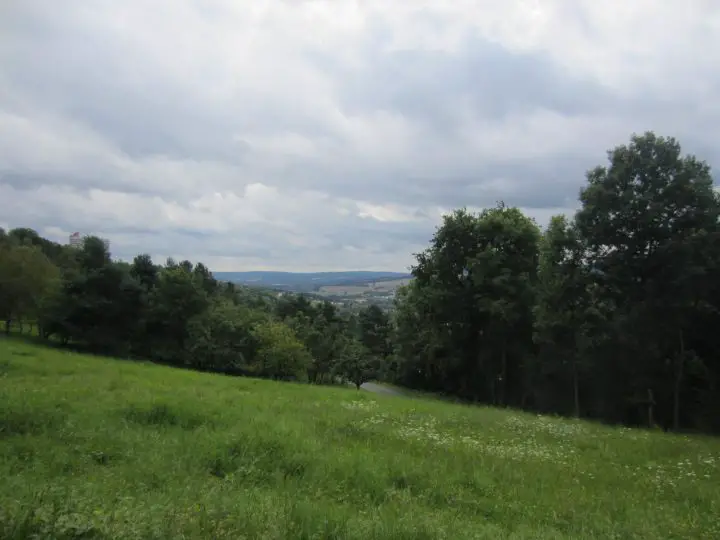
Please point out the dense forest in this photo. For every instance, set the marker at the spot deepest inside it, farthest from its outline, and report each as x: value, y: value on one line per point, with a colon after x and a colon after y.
x: 609, y: 315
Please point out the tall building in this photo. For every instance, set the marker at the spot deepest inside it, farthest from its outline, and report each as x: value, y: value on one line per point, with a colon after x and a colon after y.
x: 76, y: 240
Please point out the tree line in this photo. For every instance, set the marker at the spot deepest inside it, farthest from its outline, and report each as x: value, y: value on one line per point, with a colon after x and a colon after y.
x: 608, y: 315
x: 611, y: 315
x: 178, y: 314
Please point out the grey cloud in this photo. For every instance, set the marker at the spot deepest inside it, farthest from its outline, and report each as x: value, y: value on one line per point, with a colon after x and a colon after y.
x: 92, y: 80
x: 158, y: 132
x: 493, y: 81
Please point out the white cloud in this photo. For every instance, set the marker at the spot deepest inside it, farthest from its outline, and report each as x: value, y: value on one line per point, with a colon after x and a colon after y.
x: 329, y: 134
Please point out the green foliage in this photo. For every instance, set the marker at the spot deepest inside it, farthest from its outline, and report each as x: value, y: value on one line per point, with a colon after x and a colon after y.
x: 565, y: 313
x: 473, y: 292
x: 221, y: 337
x: 27, y: 280
x: 609, y: 315
x: 374, y: 329
x: 176, y: 314
x: 357, y: 364
x: 280, y: 354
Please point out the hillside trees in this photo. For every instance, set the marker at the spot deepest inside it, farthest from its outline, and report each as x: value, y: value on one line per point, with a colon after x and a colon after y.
x: 280, y: 355
x: 562, y: 311
x: 374, y: 331
x: 27, y: 280
x: 611, y: 314
x: 650, y: 223
x: 176, y: 313
x: 220, y: 338
x: 470, y: 306
x: 322, y: 330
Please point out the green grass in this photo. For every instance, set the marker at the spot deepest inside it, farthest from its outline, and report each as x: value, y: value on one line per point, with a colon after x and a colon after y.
x: 100, y: 448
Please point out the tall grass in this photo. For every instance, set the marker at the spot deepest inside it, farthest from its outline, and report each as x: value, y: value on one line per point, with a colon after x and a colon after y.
x: 99, y: 448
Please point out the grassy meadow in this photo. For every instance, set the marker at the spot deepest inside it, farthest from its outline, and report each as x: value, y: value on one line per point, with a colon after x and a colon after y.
x: 101, y: 448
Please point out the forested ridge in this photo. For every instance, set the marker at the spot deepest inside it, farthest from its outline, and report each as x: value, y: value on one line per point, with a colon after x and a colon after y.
x: 610, y: 315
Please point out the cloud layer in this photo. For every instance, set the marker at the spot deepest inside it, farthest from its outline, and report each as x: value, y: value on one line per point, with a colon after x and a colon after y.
x: 330, y: 134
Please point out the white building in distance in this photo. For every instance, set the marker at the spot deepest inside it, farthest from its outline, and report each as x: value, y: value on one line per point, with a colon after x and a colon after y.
x: 77, y: 240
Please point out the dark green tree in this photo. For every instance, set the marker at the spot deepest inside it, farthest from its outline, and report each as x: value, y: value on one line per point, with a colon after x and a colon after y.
x: 646, y: 219
x: 356, y: 364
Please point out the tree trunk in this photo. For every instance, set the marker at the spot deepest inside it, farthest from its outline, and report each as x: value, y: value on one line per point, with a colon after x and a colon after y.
x: 575, y: 369
x: 650, y: 403
x: 576, y: 387
x: 503, y: 373
x: 679, y: 373
x: 8, y: 322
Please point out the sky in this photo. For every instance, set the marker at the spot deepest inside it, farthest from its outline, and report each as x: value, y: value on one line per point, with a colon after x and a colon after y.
x: 311, y: 135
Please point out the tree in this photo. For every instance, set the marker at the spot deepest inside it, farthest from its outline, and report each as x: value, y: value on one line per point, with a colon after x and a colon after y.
x: 472, y: 301
x: 205, y: 278
x: 94, y: 254
x: 177, y: 298
x: 561, y: 311
x: 374, y: 326
x: 319, y: 337
x: 280, y: 354
x: 144, y: 270
x: 414, y: 346
x: 100, y: 307
x: 27, y: 279
x: 221, y: 337
x: 645, y: 219
x: 356, y: 364
x: 503, y: 274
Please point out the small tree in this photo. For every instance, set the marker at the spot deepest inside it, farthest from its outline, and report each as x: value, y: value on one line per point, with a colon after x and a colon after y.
x: 357, y: 364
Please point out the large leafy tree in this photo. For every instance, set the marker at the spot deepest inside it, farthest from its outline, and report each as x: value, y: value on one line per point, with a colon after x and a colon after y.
x: 177, y: 298
x: 27, y: 279
x: 562, y: 312
x: 100, y: 303
x: 471, y: 300
x: 374, y: 329
x: 647, y: 219
x: 280, y: 354
x: 503, y: 274
x: 221, y: 338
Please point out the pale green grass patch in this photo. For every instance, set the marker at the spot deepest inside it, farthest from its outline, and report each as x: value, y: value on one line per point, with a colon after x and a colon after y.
x: 100, y: 448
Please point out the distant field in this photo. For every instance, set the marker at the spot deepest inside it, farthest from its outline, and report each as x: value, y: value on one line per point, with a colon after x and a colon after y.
x: 304, y: 281
x: 112, y: 449
x: 377, y: 286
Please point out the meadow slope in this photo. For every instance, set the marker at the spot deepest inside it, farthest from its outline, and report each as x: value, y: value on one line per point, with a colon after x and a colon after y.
x: 102, y: 448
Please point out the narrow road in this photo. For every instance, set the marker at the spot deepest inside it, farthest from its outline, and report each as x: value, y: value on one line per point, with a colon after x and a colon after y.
x: 380, y: 389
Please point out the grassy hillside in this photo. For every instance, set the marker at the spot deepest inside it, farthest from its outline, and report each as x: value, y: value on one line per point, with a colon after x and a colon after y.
x: 99, y: 448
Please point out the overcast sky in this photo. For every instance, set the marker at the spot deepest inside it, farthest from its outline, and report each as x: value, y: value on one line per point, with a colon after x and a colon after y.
x: 331, y: 134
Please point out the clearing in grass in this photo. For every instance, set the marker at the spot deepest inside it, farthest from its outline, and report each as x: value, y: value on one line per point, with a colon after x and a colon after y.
x: 101, y: 448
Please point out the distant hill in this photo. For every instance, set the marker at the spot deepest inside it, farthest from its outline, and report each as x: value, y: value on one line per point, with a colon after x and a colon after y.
x: 306, y: 281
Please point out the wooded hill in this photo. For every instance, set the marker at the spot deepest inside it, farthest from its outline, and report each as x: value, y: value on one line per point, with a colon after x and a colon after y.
x: 609, y: 315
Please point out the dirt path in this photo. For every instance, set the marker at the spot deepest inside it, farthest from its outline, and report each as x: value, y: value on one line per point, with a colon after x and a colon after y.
x: 380, y: 389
